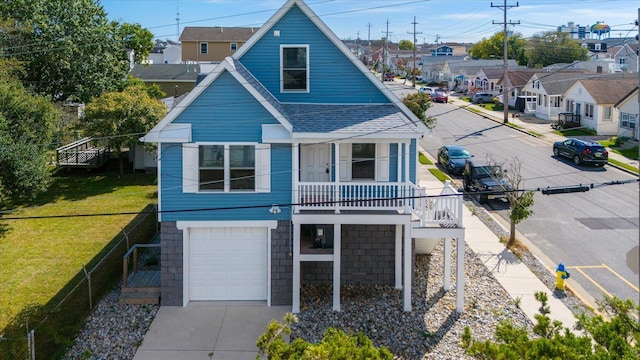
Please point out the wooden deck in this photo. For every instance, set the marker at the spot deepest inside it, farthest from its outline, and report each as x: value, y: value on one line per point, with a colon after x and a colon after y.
x: 141, y: 275
x: 84, y: 153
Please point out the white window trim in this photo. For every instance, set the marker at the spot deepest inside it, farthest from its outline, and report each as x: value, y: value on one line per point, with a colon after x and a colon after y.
x: 589, y: 114
x: 231, y: 46
x: 604, y: 113
x: 287, y: 46
x: 191, y: 168
x: 200, y: 47
x: 381, y: 171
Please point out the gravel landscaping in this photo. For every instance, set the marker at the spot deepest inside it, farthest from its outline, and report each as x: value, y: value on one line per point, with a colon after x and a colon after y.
x: 431, y: 331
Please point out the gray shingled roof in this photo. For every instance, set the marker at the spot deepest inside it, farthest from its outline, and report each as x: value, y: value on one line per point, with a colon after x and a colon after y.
x: 324, y: 118
x: 169, y: 72
x: 253, y: 82
x: 219, y: 33
x: 348, y: 118
x: 556, y: 83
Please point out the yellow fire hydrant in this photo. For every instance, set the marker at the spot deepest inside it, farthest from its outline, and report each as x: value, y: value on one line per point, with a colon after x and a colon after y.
x: 561, y: 275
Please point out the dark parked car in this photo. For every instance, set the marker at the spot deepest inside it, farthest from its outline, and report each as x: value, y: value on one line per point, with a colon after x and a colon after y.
x: 440, y: 96
x: 582, y: 151
x: 485, y: 179
x: 452, y: 158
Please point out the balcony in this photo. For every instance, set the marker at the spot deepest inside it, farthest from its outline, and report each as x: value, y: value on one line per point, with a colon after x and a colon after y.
x: 443, y: 209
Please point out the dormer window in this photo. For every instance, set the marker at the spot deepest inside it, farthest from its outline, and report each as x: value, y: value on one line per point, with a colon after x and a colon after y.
x: 294, y: 74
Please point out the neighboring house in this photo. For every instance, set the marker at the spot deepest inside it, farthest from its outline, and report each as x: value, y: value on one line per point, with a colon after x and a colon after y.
x: 629, y: 111
x: 212, y: 44
x: 173, y: 79
x: 626, y: 57
x: 469, y: 74
x: 594, y: 100
x: 549, y: 89
x: 517, y: 80
x: 170, y: 53
x: 449, y: 49
x: 291, y: 164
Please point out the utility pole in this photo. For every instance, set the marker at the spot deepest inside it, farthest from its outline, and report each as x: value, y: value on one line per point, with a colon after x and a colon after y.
x: 384, y: 49
x: 369, y: 40
x: 414, y: 72
x: 505, y: 76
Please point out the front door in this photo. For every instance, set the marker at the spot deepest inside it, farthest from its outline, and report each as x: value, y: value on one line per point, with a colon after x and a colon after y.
x: 315, y: 163
x: 578, y: 109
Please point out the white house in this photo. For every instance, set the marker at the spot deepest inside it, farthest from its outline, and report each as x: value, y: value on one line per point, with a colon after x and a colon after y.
x: 549, y: 88
x: 594, y: 100
x: 629, y: 115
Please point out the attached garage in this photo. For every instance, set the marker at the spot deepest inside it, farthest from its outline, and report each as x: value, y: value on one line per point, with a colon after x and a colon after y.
x: 228, y: 263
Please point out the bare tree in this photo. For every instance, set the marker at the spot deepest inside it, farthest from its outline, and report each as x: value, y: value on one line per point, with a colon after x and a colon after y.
x: 520, y: 200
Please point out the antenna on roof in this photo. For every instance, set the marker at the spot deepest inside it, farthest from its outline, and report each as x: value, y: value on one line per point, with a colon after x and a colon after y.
x: 178, y: 18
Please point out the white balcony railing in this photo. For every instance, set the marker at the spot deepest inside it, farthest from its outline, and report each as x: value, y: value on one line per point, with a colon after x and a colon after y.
x: 407, y: 198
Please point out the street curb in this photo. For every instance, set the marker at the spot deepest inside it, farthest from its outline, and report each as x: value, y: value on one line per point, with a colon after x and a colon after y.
x: 501, y: 121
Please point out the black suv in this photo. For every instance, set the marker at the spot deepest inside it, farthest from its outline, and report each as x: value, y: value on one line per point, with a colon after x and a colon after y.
x: 582, y: 151
x: 485, y: 178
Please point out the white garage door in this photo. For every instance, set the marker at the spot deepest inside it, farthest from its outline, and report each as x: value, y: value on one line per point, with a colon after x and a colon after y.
x: 228, y: 264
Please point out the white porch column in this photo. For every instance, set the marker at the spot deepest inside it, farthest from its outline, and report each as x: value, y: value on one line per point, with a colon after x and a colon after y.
x: 446, y: 282
x: 337, y: 241
x: 295, y: 196
x: 295, y: 303
x: 336, y: 181
x: 407, y: 202
x: 460, y: 275
x: 398, y: 254
x: 406, y: 290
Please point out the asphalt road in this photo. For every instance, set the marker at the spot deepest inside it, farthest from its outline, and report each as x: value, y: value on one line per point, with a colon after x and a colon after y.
x: 590, y: 232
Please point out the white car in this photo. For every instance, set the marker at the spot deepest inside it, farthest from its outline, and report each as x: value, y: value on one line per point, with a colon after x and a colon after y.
x: 426, y: 90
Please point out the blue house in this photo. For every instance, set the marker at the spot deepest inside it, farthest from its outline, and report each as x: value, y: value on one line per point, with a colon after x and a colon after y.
x: 290, y: 164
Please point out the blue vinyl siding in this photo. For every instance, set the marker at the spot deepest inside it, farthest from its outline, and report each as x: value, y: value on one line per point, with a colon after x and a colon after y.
x: 226, y: 112
x: 174, y: 200
x: 413, y: 151
x: 333, y: 78
x: 393, y: 162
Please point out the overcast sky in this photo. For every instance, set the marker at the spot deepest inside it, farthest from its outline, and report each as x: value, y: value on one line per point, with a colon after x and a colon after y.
x: 445, y: 20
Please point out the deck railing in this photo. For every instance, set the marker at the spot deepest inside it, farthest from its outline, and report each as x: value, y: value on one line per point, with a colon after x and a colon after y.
x: 395, y: 196
x: 132, y: 267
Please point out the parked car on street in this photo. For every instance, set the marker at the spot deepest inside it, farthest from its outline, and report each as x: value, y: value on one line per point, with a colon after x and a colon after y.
x: 482, y: 97
x: 582, y: 151
x: 440, y: 96
x: 389, y: 77
x: 485, y: 179
x: 426, y: 90
x: 452, y: 158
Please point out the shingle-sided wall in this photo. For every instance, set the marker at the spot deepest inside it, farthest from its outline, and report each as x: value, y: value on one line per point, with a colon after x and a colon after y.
x: 368, y: 257
x: 171, y: 264
x: 281, y: 264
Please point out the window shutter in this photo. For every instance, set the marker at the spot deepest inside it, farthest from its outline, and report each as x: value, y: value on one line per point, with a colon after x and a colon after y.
x: 190, y: 176
x: 382, y: 162
x: 263, y: 168
x: 345, y: 162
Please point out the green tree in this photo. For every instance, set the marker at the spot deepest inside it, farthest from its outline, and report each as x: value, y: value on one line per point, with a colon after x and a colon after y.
x: 405, y: 45
x: 492, y: 48
x: 69, y: 49
x: 419, y: 103
x: 335, y: 345
x: 135, y: 38
x: 554, y: 47
x: 27, y: 126
x: 122, y: 117
x: 616, y: 338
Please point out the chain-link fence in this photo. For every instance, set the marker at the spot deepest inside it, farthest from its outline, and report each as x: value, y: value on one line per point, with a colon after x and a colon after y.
x: 49, y: 329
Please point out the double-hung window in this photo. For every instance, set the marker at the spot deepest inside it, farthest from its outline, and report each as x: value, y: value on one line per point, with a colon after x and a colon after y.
x: 588, y: 110
x: 363, y: 163
x: 204, y: 48
x: 607, y: 116
x: 233, y: 46
x: 294, y: 68
x: 226, y: 168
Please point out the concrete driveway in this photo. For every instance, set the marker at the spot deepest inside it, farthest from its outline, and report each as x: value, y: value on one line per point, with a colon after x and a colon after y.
x: 227, y: 330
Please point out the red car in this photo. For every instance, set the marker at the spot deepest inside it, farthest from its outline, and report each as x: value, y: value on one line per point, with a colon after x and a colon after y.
x: 389, y: 77
x: 441, y: 96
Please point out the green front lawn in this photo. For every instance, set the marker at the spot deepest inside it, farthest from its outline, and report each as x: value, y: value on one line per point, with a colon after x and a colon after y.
x: 39, y: 256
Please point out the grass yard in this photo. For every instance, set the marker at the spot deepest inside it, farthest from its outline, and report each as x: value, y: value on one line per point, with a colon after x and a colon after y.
x: 39, y: 256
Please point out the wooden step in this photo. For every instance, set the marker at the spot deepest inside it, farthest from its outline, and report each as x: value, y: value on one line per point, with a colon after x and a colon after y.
x: 140, y: 298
